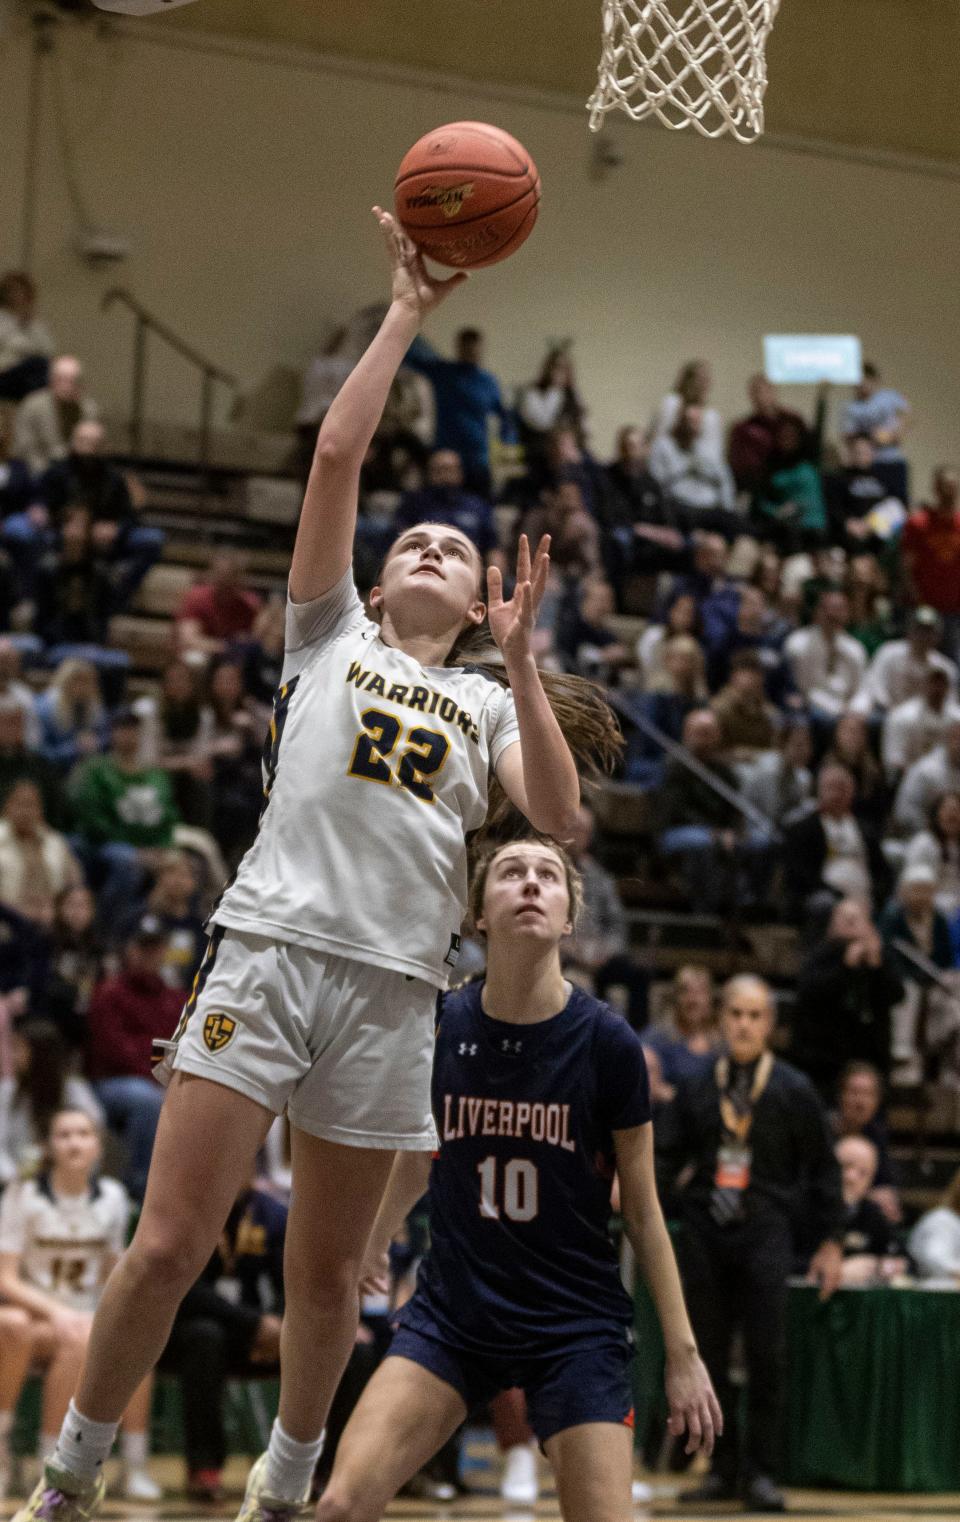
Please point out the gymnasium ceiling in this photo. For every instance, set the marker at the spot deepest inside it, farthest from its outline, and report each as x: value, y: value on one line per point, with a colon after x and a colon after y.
x: 875, y: 74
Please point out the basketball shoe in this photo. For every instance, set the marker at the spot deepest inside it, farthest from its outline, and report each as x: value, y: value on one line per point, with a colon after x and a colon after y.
x: 56, y: 1498
x: 258, y: 1507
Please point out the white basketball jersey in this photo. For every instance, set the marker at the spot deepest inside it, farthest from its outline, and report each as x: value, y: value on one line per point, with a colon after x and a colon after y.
x: 376, y: 769
x: 65, y: 1243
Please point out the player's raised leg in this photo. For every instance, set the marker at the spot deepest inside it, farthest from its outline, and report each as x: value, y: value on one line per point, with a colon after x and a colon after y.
x: 206, y: 1144
x: 402, y: 1418
x: 593, y: 1466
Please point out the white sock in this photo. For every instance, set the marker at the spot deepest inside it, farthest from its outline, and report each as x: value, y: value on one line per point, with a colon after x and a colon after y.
x: 290, y: 1465
x: 83, y: 1445
x: 133, y: 1449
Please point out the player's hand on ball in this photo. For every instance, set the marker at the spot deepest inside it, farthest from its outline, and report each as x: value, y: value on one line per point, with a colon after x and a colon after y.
x: 512, y: 623
x: 694, y: 1407
x: 413, y: 286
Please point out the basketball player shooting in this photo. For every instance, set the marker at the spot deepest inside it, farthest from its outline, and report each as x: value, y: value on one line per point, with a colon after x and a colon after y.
x: 317, y: 992
x: 539, y: 1093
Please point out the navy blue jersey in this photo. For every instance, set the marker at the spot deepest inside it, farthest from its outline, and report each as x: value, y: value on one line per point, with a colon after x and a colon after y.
x: 520, y: 1190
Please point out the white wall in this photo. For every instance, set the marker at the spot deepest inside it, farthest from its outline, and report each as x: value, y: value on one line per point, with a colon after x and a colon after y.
x: 244, y: 184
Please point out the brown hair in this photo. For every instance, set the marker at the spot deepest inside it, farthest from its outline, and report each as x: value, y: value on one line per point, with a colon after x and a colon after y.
x: 481, y: 871
x: 586, y: 720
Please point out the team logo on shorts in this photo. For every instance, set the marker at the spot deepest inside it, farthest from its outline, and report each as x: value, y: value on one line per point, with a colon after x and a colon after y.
x: 218, y: 1031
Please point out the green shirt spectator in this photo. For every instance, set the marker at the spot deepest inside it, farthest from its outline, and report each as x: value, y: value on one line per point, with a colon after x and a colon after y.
x: 116, y: 800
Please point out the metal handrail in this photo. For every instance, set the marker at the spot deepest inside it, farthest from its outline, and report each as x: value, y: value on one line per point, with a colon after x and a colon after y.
x: 146, y: 323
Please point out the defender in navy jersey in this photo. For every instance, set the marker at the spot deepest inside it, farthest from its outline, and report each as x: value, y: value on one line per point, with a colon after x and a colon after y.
x: 539, y: 1095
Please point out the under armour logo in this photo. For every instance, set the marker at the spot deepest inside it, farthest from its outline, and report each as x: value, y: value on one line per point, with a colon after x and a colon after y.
x: 511, y: 1046
x: 468, y: 1051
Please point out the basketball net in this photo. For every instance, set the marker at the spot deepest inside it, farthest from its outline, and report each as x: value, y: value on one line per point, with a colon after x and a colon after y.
x: 691, y: 63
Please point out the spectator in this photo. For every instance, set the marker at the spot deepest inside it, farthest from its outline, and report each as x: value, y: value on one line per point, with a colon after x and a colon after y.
x: 76, y: 965
x: 913, y: 919
x: 85, y: 1216
x: 25, y: 341
x: 854, y: 493
x: 18, y: 762
x: 789, y: 507
x: 778, y: 782
x: 688, y: 1043
x: 33, y: 1087
x: 36, y: 863
x: 851, y: 749
x: 574, y: 535
x: 897, y: 671
x: 123, y: 813
x: 918, y: 939
x: 934, y: 1242
x: 925, y: 781
x: 599, y: 947
x: 236, y: 751
x: 756, y: 1136
x: 858, y: 1113
x: 24, y: 964
x: 930, y: 551
x: 586, y: 636
x: 938, y: 848
x: 871, y: 619
x: 748, y: 723
x: 716, y: 596
x: 827, y: 665
x: 753, y: 439
x: 75, y: 597
x: 691, y: 389
x: 846, y: 990
x: 15, y: 693
x: 217, y: 611
x: 263, y: 664
x: 641, y: 534
x: 704, y: 832
x: 693, y: 480
x: 227, y: 1327
x: 567, y: 461
x: 551, y: 401
x: 128, y: 1012
x: 871, y: 1250
x: 754, y: 630
x: 466, y: 397
x: 826, y: 854
x: 47, y: 418
x: 73, y: 720
x: 177, y: 734
x: 172, y: 903
x: 16, y: 484
x: 885, y: 416
x: 445, y: 500
x: 914, y: 728
x: 679, y: 617
x: 673, y: 694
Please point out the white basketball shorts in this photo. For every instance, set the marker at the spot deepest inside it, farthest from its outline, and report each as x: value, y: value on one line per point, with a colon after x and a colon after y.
x: 342, y: 1047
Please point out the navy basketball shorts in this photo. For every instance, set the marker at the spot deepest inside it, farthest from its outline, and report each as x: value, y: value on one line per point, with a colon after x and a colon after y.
x: 567, y: 1385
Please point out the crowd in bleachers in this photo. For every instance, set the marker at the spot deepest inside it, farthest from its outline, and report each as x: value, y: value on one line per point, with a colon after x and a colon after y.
x: 772, y: 600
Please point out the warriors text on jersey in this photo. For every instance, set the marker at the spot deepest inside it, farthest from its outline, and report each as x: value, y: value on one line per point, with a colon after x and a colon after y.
x: 65, y: 1243
x: 520, y: 1247
x: 375, y: 771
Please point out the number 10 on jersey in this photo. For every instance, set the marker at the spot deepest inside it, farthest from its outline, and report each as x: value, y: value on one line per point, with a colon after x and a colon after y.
x: 521, y: 1189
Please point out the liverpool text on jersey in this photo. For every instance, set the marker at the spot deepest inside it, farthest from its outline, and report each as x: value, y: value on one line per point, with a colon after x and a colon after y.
x: 507, y: 1117
x: 426, y: 700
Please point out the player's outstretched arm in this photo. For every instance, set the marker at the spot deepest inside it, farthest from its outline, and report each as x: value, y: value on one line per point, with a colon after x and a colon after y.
x: 324, y: 543
x: 538, y: 775
x: 407, y: 1184
x: 694, y: 1407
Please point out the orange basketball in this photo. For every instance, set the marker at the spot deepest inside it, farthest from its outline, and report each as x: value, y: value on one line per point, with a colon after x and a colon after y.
x: 467, y: 194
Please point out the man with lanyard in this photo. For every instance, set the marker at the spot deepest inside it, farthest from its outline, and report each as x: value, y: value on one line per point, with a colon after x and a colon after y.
x: 758, y: 1140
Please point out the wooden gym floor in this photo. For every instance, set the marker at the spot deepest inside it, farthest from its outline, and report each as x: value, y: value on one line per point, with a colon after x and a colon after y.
x: 484, y: 1504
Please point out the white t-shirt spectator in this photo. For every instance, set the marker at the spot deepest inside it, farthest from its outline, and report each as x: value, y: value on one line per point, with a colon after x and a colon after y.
x: 943, y: 859
x: 847, y: 867
x: 934, y: 1244
x: 925, y: 781
x: 712, y: 435
x: 911, y: 730
x: 895, y: 674
x: 828, y: 673
x: 694, y: 478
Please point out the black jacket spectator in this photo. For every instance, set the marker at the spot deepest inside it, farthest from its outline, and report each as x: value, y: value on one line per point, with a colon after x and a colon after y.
x: 18, y: 764
x: 806, y: 851
x: 846, y: 990
x: 74, y: 591
x: 90, y: 481
x: 687, y: 799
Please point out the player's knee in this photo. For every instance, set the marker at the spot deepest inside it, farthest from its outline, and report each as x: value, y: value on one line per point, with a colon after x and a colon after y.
x: 167, y: 1255
x: 16, y: 1327
x: 325, y: 1292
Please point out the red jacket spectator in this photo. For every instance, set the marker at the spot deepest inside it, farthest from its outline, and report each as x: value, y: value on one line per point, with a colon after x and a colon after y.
x: 129, y: 1011
x: 219, y: 609
x: 931, y: 546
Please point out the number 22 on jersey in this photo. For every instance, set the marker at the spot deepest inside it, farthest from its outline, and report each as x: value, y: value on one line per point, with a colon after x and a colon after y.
x: 521, y: 1189
x: 426, y: 751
